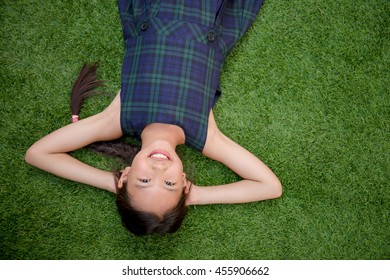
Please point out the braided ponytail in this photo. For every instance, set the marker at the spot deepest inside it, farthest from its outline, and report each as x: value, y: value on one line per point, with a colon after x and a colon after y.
x: 86, y: 85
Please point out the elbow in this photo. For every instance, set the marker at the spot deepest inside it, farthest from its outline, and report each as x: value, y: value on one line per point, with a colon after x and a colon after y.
x: 277, y: 188
x: 31, y: 155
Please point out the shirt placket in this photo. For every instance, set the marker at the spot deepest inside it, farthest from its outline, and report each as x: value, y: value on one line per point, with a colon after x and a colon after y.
x: 150, y: 10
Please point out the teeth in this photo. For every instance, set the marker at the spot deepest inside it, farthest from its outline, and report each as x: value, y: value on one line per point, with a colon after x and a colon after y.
x: 159, y: 156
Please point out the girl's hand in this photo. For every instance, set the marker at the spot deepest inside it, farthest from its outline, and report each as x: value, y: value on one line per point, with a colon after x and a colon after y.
x: 191, y: 195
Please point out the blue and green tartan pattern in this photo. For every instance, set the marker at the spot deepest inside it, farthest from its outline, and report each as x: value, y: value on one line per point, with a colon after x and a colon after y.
x: 173, y: 58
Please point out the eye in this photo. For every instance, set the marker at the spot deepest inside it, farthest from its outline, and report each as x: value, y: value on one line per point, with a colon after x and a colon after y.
x: 144, y: 180
x: 169, y: 183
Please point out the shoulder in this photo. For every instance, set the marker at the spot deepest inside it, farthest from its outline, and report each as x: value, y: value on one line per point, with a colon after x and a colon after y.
x: 214, y: 138
x: 109, y: 119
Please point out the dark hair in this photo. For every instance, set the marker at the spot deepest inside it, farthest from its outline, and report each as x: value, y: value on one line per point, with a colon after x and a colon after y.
x: 137, y: 222
x: 85, y: 85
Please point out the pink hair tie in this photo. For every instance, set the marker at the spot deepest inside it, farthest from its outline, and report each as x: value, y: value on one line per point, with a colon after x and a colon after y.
x: 75, y: 118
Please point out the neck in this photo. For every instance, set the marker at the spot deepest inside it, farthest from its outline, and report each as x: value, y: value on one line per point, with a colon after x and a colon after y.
x: 166, y: 134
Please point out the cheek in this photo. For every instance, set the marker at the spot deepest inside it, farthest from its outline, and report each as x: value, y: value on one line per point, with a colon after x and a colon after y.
x: 177, y: 174
x: 138, y: 165
x: 136, y: 160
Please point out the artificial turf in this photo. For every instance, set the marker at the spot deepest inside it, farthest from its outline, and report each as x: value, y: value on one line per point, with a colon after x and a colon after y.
x: 306, y: 90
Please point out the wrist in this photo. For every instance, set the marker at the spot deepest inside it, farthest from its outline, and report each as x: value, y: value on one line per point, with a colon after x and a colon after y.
x: 111, y: 184
x: 192, y: 195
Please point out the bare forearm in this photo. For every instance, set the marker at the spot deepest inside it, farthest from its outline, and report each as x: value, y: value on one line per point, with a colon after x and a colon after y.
x: 65, y: 166
x: 51, y: 152
x: 239, y: 192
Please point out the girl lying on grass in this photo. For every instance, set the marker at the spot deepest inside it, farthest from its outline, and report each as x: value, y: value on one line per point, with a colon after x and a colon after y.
x: 169, y: 85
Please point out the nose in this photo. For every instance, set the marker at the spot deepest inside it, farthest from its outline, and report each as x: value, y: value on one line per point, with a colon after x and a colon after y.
x: 159, y: 165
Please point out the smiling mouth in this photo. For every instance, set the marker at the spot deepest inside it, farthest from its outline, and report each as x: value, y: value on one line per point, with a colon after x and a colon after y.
x: 160, y: 155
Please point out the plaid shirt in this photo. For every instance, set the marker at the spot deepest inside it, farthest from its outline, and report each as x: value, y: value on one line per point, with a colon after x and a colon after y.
x: 173, y: 58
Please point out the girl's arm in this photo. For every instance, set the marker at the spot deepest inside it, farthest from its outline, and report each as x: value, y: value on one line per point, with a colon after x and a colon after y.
x: 259, y: 182
x: 51, y: 152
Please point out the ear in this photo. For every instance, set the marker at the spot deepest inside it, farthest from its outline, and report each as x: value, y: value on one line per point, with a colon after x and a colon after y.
x: 123, y: 177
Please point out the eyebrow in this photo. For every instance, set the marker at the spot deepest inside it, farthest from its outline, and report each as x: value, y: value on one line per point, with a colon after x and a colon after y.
x: 138, y: 186
x: 168, y: 188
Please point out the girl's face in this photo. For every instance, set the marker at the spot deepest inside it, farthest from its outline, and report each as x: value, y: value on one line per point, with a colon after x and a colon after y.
x: 155, y: 180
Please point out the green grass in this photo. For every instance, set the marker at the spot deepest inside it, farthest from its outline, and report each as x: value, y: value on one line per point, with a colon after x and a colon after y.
x: 306, y: 90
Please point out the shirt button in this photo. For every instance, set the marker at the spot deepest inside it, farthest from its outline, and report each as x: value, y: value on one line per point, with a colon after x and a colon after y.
x: 211, y: 36
x: 144, y: 26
